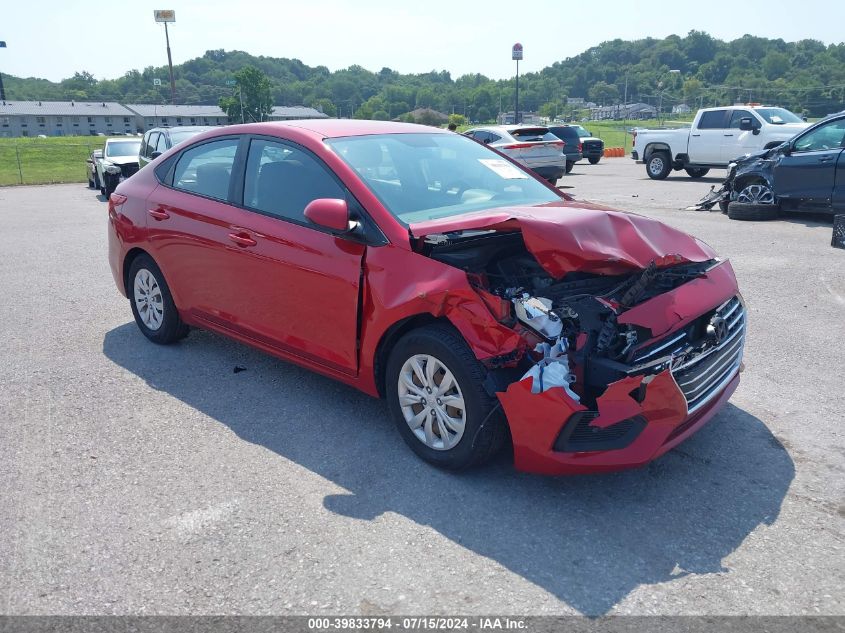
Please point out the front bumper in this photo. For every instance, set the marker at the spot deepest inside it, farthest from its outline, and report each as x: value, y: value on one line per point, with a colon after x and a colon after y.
x: 635, y: 155
x: 635, y: 430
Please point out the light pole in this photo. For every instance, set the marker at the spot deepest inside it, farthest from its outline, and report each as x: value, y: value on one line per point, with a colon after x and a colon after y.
x: 516, y: 55
x: 674, y: 71
x: 2, y: 89
x: 165, y: 16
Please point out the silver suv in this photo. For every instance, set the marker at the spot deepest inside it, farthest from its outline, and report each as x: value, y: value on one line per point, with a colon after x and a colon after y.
x: 530, y: 145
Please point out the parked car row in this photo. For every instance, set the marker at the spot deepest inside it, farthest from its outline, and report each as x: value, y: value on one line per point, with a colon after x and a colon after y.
x: 421, y: 266
x: 121, y: 157
x: 549, y: 151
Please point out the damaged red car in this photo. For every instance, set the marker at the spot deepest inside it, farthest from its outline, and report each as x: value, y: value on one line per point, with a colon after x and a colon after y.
x: 423, y: 267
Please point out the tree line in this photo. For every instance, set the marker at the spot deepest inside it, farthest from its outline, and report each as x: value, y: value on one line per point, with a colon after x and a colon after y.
x: 807, y: 77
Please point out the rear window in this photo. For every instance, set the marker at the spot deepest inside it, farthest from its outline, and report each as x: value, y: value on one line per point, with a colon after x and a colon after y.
x: 566, y: 133
x: 532, y: 134
x: 712, y: 120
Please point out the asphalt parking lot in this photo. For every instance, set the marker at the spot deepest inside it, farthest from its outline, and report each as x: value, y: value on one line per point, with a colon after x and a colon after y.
x: 140, y: 479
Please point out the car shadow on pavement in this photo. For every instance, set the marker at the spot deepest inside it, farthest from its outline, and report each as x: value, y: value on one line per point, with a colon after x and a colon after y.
x: 589, y: 540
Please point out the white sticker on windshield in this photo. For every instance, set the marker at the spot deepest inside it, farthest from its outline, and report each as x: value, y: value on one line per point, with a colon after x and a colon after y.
x: 776, y: 119
x: 503, y: 168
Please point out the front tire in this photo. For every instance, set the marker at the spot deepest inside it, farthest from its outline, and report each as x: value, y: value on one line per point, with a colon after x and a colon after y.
x: 435, y: 391
x: 658, y: 166
x: 152, y: 304
x: 697, y: 172
x: 569, y: 165
x: 752, y: 212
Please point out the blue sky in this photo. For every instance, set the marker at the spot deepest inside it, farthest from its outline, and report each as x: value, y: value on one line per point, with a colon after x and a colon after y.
x: 53, y: 39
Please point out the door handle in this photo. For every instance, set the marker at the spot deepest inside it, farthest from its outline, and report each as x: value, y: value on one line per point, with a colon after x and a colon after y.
x: 825, y: 159
x: 158, y: 214
x: 242, y: 239
x: 696, y: 134
x: 727, y: 134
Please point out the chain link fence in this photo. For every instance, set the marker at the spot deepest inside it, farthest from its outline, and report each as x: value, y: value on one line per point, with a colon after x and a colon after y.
x: 34, y: 163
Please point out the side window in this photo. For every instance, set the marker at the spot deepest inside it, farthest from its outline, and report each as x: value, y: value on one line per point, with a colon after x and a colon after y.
x: 207, y: 169
x: 828, y: 136
x: 738, y: 115
x: 281, y: 180
x: 493, y: 137
x: 150, y: 145
x: 713, y: 120
x: 161, y: 144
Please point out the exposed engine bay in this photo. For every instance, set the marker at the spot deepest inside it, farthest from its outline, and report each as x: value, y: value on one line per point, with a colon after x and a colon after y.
x: 572, y: 323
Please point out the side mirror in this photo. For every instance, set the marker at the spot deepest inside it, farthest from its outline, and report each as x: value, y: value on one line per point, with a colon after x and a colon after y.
x: 786, y: 148
x: 330, y: 213
x: 155, y: 155
x: 746, y: 124
x: 89, y: 161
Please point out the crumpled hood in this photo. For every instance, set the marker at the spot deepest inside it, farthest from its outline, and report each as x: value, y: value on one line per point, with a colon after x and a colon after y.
x: 573, y: 236
x: 121, y: 160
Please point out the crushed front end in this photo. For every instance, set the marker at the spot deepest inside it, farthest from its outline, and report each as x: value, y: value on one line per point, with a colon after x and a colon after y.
x: 625, y: 362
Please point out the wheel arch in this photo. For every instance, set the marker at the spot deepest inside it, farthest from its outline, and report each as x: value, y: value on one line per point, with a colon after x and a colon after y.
x: 743, y: 180
x: 657, y: 146
x: 389, y: 338
x: 130, y: 257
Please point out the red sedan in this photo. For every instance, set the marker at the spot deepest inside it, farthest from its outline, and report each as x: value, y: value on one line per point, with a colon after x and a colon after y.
x: 421, y: 266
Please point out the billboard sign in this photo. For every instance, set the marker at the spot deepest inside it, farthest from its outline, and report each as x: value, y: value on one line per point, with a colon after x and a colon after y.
x: 165, y: 15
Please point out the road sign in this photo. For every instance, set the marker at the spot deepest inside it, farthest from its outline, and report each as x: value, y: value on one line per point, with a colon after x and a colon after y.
x: 165, y: 15
x: 156, y: 82
x: 516, y: 51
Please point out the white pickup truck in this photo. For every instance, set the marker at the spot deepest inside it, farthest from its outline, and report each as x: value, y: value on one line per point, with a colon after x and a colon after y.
x: 717, y: 136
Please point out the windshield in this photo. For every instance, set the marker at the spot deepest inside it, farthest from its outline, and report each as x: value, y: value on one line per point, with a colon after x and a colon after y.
x: 778, y: 116
x: 421, y: 177
x: 123, y: 148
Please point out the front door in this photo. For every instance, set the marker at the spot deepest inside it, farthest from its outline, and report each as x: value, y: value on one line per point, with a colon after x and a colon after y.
x: 805, y: 177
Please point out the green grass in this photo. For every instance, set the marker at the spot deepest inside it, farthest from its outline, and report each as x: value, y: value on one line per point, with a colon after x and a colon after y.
x: 36, y: 161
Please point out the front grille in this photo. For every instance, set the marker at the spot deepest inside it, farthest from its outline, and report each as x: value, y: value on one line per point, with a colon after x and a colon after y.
x: 703, y: 375
x: 593, y: 145
x: 128, y: 169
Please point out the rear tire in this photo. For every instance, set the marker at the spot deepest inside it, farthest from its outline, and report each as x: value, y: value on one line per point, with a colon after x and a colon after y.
x: 569, y: 165
x: 754, y: 212
x: 658, y: 166
x: 152, y: 304
x: 697, y: 172
x: 594, y: 161
x: 439, y: 348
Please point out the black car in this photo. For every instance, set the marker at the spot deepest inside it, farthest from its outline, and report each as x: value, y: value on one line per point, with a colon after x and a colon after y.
x: 807, y: 173
x: 569, y: 135
x: 591, y: 147
x: 160, y: 139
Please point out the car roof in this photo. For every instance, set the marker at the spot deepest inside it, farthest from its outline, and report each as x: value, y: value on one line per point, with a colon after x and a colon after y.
x: 509, y: 128
x: 184, y: 128
x: 335, y: 128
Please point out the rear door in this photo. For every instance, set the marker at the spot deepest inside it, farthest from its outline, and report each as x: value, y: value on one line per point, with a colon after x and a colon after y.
x: 806, y: 177
x: 705, y: 140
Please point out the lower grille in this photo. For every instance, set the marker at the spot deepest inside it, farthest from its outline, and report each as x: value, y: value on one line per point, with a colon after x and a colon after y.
x: 703, y: 376
x: 578, y: 434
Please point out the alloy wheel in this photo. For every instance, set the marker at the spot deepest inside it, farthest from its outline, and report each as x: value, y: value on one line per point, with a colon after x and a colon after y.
x: 756, y: 194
